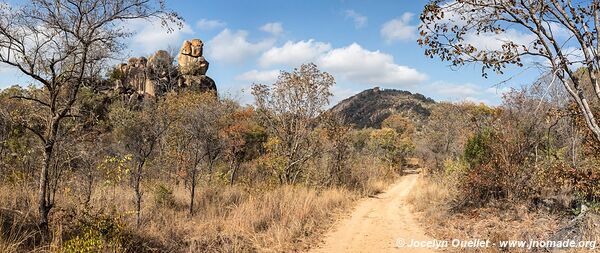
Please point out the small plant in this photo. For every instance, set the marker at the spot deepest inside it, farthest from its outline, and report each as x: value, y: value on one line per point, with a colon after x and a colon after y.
x: 163, y: 196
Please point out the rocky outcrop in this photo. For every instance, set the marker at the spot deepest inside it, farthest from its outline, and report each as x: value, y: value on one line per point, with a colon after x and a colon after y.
x: 193, y: 67
x: 135, y: 75
x: 156, y: 75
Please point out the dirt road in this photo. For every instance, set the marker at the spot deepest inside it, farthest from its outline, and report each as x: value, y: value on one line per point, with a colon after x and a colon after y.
x: 378, y: 224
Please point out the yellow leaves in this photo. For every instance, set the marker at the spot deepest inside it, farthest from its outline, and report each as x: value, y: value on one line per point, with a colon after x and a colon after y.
x: 115, y: 169
x: 403, y: 125
x: 272, y: 143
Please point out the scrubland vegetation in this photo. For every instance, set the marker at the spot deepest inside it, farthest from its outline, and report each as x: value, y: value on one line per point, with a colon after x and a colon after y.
x: 85, y: 167
x: 529, y: 168
x: 519, y: 171
x: 190, y: 172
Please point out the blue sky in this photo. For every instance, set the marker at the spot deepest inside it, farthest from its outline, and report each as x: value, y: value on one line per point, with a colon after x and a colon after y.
x: 362, y: 43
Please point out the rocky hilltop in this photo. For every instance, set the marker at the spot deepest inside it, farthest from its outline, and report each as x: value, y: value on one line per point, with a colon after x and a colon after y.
x: 158, y: 74
x: 370, y: 107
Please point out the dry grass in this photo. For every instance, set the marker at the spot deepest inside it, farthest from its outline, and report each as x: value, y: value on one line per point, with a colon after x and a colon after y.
x: 432, y: 199
x: 17, y: 228
x: 230, y: 219
x: 249, y: 217
x: 227, y: 218
x: 281, y: 220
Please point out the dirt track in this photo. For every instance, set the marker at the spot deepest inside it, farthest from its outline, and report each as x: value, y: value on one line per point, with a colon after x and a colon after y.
x: 377, y: 223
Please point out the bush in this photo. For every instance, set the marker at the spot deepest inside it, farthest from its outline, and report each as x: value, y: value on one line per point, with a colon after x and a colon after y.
x: 102, y: 233
x: 163, y: 196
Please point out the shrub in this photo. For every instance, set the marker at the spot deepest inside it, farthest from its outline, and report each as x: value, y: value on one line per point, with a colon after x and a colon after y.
x: 163, y: 196
x: 102, y: 233
x: 482, y: 180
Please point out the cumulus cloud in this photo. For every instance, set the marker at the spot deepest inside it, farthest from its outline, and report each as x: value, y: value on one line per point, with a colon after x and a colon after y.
x: 152, y: 36
x: 359, y: 20
x: 234, y: 47
x: 443, y: 90
x: 275, y: 28
x: 455, y: 90
x: 494, y: 41
x: 356, y: 64
x: 209, y: 24
x: 294, y: 53
x: 256, y: 76
x: 399, y: 29
x: 340, y: 93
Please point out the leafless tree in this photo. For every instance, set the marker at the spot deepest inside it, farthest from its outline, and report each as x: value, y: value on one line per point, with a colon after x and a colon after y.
x: 62, y: 46
x: 563, y: 33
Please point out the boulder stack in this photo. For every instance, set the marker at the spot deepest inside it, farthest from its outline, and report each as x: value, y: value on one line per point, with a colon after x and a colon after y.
x: 157, y: 74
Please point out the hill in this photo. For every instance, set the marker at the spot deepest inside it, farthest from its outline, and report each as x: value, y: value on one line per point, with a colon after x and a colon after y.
x: 370, y: 107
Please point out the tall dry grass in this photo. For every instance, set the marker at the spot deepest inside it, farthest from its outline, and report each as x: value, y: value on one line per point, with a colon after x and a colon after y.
x: 18, y: 230
x: 226, y: 219
x: 434, y: 200
x: 252, y: 216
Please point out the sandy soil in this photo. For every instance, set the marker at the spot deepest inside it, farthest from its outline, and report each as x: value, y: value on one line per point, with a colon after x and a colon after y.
x: 378, y: 224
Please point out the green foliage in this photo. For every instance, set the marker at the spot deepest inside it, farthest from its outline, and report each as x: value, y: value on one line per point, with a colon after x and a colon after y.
x: 391, y: 146
x: 163, y: 196
x: 102, y: 233
x: 477, y: 149
x: 455, y: 167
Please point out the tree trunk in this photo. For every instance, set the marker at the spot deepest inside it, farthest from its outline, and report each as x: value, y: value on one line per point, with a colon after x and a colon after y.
x: 43, y: 205
x: 192, y: 191
x: 234, y: 172
x: 44, y: 202
x: 138, y: 194
x: 90, y: 186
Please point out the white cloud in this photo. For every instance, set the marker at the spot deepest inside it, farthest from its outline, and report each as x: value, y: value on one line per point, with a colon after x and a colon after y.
x: 443, y: 90
x: 294, y: 53
x: 256, y: 76
x: 360, y: 21
x: 152, y: 36
x: 456, y: 90
x: 340, y: 93
x: 275, y: 28
x: 209, y: 24
x: 399, y: 29
x: 476, y: 100
x: 356, y: 64
x: 499, y: 91
x: 494, y: 41
x: 234, y: 47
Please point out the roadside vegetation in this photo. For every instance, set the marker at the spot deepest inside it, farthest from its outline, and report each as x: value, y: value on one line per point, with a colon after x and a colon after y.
x: 520, y: 171
x: 529, y: 168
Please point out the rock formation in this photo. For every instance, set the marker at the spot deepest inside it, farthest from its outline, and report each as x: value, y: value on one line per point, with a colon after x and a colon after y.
x: 193, y: 67
x: 157, y: 74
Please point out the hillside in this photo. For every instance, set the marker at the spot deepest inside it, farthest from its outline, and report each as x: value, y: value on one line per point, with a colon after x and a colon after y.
x: 370, y: 107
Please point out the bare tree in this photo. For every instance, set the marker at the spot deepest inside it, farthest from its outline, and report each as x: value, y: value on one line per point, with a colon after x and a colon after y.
x: 289, y: 112
x: 195, y: 137
x: 62, y: 46
x: 139, y: 132
x: 562, y: 33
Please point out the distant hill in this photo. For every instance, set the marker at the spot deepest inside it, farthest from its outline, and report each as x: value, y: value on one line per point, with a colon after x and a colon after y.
x: 371, y: 107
